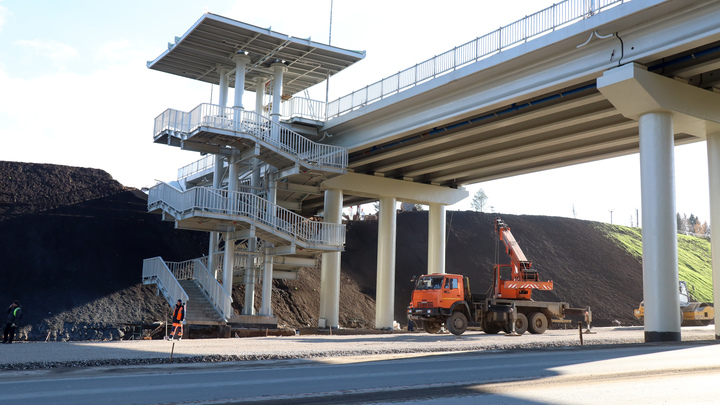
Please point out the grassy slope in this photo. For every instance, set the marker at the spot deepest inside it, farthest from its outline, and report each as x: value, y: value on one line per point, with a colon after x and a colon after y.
x: 694, y: 261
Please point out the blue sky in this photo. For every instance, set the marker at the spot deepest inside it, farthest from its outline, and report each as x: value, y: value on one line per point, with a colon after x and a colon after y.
x: 75, y: 90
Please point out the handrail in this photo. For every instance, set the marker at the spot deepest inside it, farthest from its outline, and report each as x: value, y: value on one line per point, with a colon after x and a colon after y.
x: 217, y: 294
x: 252, y: 123
x: 239, y: 204
x: 157, y: 270
x: 204, y: 163
x: 303, y: 108
x: 532, y: 26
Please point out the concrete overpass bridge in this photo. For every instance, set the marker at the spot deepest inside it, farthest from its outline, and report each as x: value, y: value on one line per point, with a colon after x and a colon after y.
x: 581, y: 81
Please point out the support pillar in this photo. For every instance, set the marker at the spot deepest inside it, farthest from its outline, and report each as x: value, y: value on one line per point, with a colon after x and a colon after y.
x: 278, y: 70
x: 224, y: 85
x: 266, y: 303
x: 659, y: 228
x: 330, y: 268
x: 228, y: 264
x: 385, y: 291
x: 229, y: 243
x: 436, y: 239
x: 713, y: 151
x: 217, y: 177
x: 241, y: 61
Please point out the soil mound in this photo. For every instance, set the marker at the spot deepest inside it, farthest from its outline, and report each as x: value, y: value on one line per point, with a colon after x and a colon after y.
x: 73, y: 241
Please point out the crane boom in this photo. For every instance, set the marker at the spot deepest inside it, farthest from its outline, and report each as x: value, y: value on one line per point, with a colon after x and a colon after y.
x: 522, y: 277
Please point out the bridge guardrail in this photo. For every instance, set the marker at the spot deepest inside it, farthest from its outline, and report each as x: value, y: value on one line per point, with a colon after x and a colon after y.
x: 558, y: 15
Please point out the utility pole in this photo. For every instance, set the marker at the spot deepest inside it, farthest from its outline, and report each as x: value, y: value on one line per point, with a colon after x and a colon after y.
x: 611, y: 211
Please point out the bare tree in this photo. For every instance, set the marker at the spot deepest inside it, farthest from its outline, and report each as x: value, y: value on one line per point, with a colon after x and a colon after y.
x: 479, y: 201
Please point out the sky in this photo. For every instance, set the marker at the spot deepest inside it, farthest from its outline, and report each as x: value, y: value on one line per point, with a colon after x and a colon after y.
x: 75, y: 89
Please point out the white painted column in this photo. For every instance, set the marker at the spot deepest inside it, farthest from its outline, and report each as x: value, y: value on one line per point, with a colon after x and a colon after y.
x: 266, y: 303
x: 278, y: 70
x: 224, y: 85
x: 659, y: 228
x: 713, y: 151
x: 436, y: 239
x: 259, y: 94
x: 214, y: 236
x: 230, y: 244
x: 241, y: 61
x: 217, y: 179
x: 228, y: 264
x: 385, y: 291
x: 330, y: 268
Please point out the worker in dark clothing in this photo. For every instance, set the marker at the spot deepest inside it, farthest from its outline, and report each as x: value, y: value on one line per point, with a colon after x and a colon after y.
x: 14, y: 314
x: 178, y: 320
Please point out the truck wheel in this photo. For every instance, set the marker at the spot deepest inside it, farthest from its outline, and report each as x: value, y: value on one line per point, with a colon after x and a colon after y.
x: 490, y: 329
x: 537, y: 323
x: 521, y: 324
x: 431, y: 327
x: 457, y: 324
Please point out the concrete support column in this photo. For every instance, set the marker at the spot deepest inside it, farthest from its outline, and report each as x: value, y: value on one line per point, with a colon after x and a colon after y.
x: 266, y: 304
x: 214, y: 236
x: 385, y: 291
x: 278, y: 70
x: 436, y: 239
x: 230, y: 244
x: 713, y: 151
x: 330, y: 268
x: 224, y: 85
x: 241, y: 61
x: 659, y: 228
x: 228, y: 264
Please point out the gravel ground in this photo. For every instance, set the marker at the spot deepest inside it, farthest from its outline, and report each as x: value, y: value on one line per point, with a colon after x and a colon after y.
x: 44, y: 355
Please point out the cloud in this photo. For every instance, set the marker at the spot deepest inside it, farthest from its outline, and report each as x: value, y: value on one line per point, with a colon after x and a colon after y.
x: 57, y: 52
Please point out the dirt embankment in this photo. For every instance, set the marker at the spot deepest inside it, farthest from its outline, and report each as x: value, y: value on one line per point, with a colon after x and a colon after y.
x: 587, y: 267
x: 73, y: 241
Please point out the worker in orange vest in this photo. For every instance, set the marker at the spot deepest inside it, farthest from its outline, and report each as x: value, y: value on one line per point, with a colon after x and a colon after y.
x: 178, y: 320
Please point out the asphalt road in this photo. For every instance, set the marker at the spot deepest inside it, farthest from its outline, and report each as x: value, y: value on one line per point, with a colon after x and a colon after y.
x: 683, y: 372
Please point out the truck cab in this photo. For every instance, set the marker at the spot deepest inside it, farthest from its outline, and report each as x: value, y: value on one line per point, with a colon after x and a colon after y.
x: 436, y: 297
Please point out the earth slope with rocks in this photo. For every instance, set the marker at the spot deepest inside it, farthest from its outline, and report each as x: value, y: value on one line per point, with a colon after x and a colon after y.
x: 73, y: 241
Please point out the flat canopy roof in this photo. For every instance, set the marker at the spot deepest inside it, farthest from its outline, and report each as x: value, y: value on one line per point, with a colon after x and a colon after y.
x: 214, y: 39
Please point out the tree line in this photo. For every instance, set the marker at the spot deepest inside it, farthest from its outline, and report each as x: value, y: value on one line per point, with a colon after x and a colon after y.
x: 692, y: 225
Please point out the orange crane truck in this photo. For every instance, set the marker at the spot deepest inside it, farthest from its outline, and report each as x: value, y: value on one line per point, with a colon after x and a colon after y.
x: 446, y: 299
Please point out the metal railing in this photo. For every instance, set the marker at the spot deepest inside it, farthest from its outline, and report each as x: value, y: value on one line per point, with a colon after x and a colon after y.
x: 532, y: 26
x: 166, y: 276
x: 303, y: 108
x: 251, y: 123
x: 205, y: 163
x: 276, y: 219
x: 215, y: 291
x: 156, y: 271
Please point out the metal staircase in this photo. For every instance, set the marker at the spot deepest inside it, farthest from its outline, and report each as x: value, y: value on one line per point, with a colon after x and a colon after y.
x: 201, y: 309
x: 191, y: 282
x: 289, y: 160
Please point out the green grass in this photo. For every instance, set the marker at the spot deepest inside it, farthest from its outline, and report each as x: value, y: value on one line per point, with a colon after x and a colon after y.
x: 694, y: 260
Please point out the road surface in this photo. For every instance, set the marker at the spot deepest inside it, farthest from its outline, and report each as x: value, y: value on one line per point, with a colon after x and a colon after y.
x: 683, y: 372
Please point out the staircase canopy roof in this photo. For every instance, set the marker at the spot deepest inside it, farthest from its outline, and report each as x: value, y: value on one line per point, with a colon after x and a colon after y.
x: 213, y: 40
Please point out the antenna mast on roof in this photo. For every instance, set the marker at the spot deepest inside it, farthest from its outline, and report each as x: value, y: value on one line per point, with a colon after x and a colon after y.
x: 327, y: 82
x: 330, y: 31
